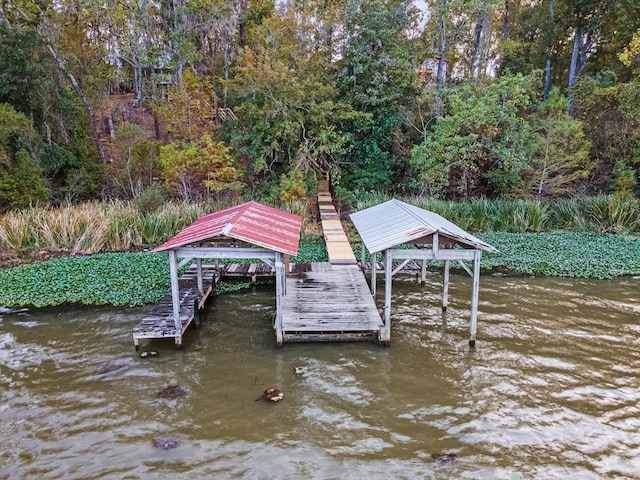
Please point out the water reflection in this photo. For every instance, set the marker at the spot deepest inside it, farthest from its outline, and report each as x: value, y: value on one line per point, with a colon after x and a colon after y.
x: 551, y: 390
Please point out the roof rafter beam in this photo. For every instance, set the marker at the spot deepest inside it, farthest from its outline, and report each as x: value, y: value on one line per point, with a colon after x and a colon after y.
x: 428, y: 254
x: 222, y: 252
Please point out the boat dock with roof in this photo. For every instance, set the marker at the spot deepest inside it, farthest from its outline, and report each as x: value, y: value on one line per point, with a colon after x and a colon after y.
x: 322, y: 301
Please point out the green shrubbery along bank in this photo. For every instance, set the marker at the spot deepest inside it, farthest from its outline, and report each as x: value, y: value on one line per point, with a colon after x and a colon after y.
x: 139, y: 278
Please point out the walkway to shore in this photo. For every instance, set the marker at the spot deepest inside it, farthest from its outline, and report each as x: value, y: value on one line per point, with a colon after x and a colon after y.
x: 330, y: 301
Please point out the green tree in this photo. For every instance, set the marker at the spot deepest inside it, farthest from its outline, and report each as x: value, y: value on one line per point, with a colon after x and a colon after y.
x: 559, y: 152
x: 377, y: 75
x: 288, y: 117
x: 479, y: 144
x: 199, y: 169
x: 31, y: 81
x: 610, y: 115
x: 21, y: 182
x: 133, y: 169
x: 630, y: 56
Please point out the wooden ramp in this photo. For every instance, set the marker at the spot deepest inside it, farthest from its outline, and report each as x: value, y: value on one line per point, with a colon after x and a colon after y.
x: 160, y: 322
x: 330, y: 301
x: 338, y: 247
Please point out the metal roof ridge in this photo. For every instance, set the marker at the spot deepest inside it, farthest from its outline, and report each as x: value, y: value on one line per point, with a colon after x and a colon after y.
x: 405, y: 206
x: 232, y: 223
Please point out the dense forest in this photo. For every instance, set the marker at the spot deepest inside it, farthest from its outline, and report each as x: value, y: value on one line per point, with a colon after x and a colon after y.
x: 218, y: 99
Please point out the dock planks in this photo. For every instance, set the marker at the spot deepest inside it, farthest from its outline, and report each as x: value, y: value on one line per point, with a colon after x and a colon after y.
x: 159, y: 323
x: 330, y: 301
x: 338, y: 246
x: 329, y: 305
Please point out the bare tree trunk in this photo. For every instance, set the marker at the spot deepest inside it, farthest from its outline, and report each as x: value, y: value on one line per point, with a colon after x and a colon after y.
x: 505, y: 22
x: 93, y: 124
x: 547, y: 68
x: 441, y: 73
x: 575, y: 54
x: 242, y: 25
x: 137, y: 84
x: 481, y: 34
x: 227, y: 64
x: 216, y: 117
x: 573, y: 69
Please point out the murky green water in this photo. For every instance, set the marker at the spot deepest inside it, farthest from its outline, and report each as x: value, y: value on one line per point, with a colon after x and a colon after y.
x: 552, y: 391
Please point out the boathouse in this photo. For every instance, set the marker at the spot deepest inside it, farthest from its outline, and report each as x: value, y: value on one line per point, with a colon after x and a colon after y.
x: 389, y: 226
x: 249, y: 231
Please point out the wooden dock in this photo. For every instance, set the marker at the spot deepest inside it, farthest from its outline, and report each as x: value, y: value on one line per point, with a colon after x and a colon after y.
x: 338, y: 246
x: 330, y: 301
x: 160, y: 321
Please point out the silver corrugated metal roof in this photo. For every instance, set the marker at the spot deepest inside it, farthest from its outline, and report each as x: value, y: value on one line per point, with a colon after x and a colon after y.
x: 394, y: 222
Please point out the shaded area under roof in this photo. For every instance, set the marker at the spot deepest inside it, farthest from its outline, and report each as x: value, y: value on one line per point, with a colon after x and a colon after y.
x: 250, y: 222
x: 394, y: 222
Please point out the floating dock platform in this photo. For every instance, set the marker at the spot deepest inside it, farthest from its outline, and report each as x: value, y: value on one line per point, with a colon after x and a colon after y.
x: 160, y: 322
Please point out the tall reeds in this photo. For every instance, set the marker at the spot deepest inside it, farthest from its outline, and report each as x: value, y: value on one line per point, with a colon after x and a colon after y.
x: 113, y: 226
x: 119, y: 226
x: 605, y: 213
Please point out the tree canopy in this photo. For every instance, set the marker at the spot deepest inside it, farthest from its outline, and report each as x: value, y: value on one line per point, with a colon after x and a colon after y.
x: 209, y: 98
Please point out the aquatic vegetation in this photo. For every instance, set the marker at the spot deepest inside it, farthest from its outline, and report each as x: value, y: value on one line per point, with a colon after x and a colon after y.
x: 172, y: 391
x: 121, y: 279
x: 132, y: 279
x: 311, y: 251
x: 564, y: 254
x: 106, y: 279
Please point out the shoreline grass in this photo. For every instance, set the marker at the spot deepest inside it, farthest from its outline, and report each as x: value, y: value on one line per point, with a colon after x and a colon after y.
x: 113, y: 226
x: 87, y: 273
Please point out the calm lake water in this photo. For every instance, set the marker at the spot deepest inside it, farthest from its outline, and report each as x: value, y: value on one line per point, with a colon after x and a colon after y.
x: 552, y: 390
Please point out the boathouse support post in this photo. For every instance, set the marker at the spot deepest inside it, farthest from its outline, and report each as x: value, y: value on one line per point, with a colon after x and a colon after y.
x: 279, y: 267
x: 199, y: 276
x: 474, y: 298
x: 385, y: 334
x: 445, y: 286
x: 374, y: 273
x: 175, y: 292
x: 423, y: 272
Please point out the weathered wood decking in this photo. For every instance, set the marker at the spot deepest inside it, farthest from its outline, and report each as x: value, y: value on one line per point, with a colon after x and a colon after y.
x: 160, y: 321
x: 338, y: 247
x: 320, y: 301
x: 333, y: 304
x: 330, y: 301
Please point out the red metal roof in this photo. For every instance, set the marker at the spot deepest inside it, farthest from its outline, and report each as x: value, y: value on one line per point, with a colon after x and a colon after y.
x: 251, y: 222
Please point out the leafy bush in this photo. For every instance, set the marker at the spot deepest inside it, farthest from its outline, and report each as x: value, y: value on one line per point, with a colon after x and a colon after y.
x: 21, y: 183
x: 292, y: 187
x: 151, y: 199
